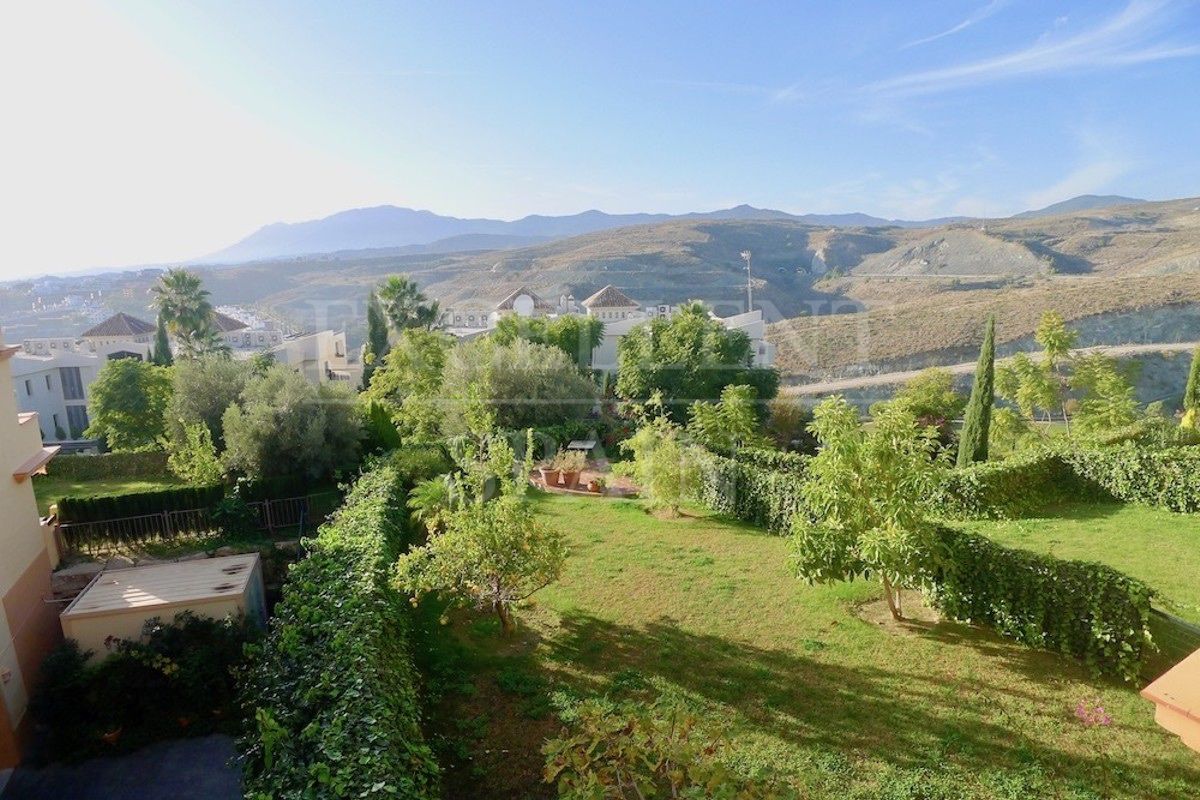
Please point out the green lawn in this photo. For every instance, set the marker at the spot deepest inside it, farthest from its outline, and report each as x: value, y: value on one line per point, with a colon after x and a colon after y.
x: 50, y: 489
x: 1159, y: 547
x: 704, y: 611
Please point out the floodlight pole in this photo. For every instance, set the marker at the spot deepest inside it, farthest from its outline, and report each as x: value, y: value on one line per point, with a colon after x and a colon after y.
x: 749, y: 285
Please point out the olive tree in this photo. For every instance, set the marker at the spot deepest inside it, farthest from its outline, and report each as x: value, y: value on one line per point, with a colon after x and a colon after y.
x: 865, y: 497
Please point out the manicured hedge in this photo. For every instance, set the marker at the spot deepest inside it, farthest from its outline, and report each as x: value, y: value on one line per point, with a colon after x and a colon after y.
x: 1089, y: 611
x: 134, y: 504
x: 1012, y: 488
x: 332, y: 693
x: 795, y: 463
x: 1167, y: 478
x: 150, y: 464
x: 767, y: 497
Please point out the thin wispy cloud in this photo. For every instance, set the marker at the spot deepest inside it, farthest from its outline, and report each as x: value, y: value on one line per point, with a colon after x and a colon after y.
x: 772, y: 94
x: 974, y: 19
x: 1139, y: 33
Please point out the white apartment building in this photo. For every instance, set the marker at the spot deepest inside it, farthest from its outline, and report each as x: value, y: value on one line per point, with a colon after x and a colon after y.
x: 320, y: 357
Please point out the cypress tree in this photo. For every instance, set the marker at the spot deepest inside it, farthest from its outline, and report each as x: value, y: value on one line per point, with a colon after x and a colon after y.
x: 161, y: 354
x: 973, y: 441
x: 377, y: 339
x: 1191, y: 395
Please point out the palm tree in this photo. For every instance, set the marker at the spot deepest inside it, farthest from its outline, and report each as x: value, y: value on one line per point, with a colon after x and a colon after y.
x: 183, y: 305
x: 405, y: 306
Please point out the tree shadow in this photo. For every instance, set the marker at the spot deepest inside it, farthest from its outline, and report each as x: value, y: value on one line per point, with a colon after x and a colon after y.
x: 901, y: 717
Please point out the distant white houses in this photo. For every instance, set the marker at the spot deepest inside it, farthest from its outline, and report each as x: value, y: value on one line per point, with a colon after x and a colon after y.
x: 618, y: 311
x: 321, y: 357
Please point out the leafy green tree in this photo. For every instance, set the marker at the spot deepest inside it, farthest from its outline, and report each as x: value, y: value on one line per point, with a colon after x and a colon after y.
x: 730, y: 424
x: 409, y: 382
x: 931, y: 397
x: 404, y: 306
x: 202, y: 389
x: 866, y: 493
x: 194, y: 460
x: 527, y: 384
x: 1027, y: 384
x: 184, y: 306
x: 377, y: 339
x: 161, y: 355
x: 664, y: 465
x: 1056, y: 338
x: 973, y: 439
x: 126, y: 404
x: 787, y: 425
x: 1108, y: 399
x: 283, y: 426
x: 493, y: 555
x: 574, y: 334
x: 686, y: 358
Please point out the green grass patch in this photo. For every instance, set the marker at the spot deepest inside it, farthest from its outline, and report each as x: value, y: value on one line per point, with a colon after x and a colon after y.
x: 50, y: 489
x: 704, y: 611
x: 1159, y: 547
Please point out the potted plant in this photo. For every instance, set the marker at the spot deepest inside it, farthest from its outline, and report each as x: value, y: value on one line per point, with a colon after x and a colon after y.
x: 570, y: 463
x: 549, y: 473
x: 596, y: 485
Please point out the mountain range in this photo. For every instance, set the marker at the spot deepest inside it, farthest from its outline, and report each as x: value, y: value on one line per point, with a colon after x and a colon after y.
x: 418, y: 231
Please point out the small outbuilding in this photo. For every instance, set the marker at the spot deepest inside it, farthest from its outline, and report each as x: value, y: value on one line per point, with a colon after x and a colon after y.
x: 1176, y: 698
x: 118, y: 602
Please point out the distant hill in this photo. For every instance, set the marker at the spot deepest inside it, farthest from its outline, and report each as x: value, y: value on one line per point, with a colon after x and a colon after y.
x: 384, y: 227
x: 1084, y: 202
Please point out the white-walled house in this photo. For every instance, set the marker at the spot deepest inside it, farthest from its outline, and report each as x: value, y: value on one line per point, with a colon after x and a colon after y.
x: 320, y: 357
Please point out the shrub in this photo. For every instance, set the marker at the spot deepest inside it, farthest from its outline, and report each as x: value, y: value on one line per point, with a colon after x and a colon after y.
x: 176, y: 680
x: 332, y: 690
x: 758, y: 486
x: 1088, y: 611
x: 1017, y: 487
x: 1168, y: 478
x: 142, y: 464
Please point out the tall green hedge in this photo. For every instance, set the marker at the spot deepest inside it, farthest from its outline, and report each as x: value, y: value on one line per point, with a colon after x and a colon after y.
x: 148, y: 464
x: 1089, y: 611
x: 332, y: 690
x: 95, y: 508
x: 1016, y: 487
x: 765, y: 496
x: 1168, y: 478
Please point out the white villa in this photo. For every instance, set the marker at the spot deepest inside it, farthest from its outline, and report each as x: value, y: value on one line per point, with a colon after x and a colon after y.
x: 619, y: 313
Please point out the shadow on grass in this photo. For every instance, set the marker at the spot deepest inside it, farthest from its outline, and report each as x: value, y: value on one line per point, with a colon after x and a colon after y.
x: 904, y: 718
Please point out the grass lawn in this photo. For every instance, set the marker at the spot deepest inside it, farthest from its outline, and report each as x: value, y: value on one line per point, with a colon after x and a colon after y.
x: 704, y: 611
x: 1159, y: 547
x: 50, y: 489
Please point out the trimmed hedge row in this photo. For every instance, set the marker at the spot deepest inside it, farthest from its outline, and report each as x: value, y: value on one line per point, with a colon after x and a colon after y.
x: 1168, y: 479
x: 97, y: 508
x: 768, y: 498
x: 1014, y: 488
x: 149, y: 464
x: 332, y: 690
x: 1089, y: 611
x: 795, y: 463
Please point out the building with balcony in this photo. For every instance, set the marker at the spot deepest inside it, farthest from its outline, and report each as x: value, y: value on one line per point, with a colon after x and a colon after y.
x: 28, y: 623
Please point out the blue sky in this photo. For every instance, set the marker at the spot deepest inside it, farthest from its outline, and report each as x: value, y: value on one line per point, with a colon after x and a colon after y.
x: 151, y: 131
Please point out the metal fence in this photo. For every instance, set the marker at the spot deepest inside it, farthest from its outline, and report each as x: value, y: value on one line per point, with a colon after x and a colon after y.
x: 269, y: 515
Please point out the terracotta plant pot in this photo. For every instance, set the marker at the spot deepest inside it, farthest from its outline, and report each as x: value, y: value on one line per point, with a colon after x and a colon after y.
x: 595, y: 486
x: 570, y: 479
x: 549, y: 476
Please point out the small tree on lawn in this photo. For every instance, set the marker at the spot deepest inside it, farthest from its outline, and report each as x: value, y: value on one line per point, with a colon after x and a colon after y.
x: 664, y: 465
x: 194, y: 460
x: 729, y: 424
x: 126, y: 404
x: 493, y: 555
x: 973, y: 440
x: 866, y: 495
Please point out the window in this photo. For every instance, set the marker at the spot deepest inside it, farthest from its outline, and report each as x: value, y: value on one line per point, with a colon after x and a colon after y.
x: 72, y: 384
x: 77, y: 420
x: 28, y: 389
x: 49, y: 388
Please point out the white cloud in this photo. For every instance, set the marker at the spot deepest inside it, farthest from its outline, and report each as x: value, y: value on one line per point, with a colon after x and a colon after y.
x: 979, y: 16
x: 1132, y: 36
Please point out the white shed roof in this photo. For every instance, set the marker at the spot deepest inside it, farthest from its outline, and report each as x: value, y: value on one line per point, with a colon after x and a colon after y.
x: 163, y: 585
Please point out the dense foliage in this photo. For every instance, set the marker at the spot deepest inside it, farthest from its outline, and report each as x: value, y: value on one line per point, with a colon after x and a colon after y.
x: 126, y: 404
x: 283, y: 425
x: 1088, y: 611
x: 408, y: 382
x: 376, y: 346
x: 194, y: 459
x: 142, y: 464
x: 574, y: 334
x: 664, y: 464
x: 332, y: 690
x: 756, y: 486
x: 688, y: 357
x: 729, y: 424
x: 1166, y: 478
x: 973, y: 438
x: 1012, y: 488
x: 202, y: 389
x: 176, y: 680
x: 115, y: 506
